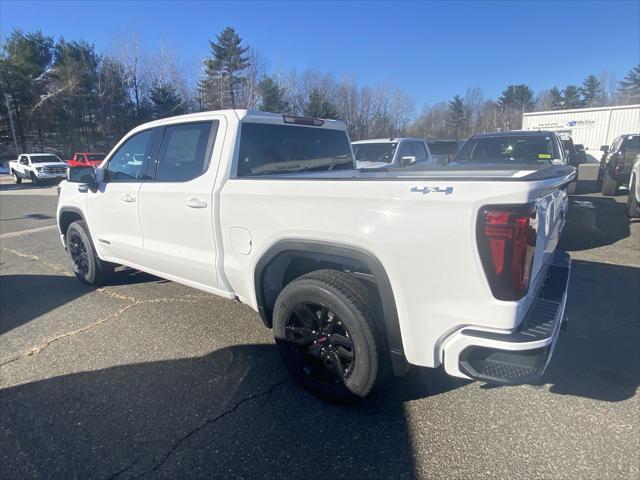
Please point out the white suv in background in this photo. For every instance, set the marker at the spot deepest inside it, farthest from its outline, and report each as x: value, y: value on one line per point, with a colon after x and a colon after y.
x: 392, y: 153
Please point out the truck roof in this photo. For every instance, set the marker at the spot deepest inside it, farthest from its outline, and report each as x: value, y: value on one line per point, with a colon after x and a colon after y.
x: 244, y: 115
x: 387, y: 140
x: 515, y: 133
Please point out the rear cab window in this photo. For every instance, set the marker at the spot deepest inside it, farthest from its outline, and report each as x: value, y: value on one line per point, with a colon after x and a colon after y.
x: 273, y: 149
x: 533, y: 149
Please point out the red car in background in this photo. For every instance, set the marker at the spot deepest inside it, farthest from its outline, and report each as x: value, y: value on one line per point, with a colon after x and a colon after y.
x: 83, y: 159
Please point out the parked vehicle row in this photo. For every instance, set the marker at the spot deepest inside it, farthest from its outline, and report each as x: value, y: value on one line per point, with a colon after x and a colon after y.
x: 344, y: 264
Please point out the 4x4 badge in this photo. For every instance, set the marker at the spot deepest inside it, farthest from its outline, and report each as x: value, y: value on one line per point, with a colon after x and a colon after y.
x: 425, y: 190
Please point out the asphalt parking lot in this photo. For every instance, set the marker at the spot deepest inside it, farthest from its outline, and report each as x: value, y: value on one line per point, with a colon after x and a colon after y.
x: 145, y: 378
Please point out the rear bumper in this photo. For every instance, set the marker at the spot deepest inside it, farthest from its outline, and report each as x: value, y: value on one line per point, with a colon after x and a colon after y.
x: 520, y: 356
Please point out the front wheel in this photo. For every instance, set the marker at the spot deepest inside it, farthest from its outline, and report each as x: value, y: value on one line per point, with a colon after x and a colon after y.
x: 87, y: 267
x: 609, y: 185
x: 34, y: 179
x: 328, y: 337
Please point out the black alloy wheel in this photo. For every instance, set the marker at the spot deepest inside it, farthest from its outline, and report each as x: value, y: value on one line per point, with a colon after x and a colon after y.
x: 320, y: 342
x: 78, y: 252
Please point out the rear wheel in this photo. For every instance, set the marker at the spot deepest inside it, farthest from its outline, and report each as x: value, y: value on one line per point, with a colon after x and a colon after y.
x: 609, y: 185
x: 632, y: 201
x: 86, y: 264
x: 16, y: 178
x: 327, y: 336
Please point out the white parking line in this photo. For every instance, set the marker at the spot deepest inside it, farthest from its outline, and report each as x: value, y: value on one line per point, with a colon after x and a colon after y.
x: 26, y: 232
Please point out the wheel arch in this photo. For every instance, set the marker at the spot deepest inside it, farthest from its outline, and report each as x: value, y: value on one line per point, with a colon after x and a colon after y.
x: 67, y: 216
x: 289, y: 259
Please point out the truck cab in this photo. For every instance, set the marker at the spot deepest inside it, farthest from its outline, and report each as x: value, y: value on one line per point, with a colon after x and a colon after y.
x: 389, y: 153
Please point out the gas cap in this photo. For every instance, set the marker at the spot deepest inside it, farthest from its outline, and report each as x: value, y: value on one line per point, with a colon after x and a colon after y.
x: 240, y: 240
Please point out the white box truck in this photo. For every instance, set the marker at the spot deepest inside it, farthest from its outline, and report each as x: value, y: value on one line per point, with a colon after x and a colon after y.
x: 591, y: 127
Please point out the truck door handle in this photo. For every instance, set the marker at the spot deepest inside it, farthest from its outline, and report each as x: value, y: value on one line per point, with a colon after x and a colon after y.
x: 196, y: 203
x: 127, y: 197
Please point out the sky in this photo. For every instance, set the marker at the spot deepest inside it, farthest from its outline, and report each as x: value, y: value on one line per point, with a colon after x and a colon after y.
x: 430, y: 50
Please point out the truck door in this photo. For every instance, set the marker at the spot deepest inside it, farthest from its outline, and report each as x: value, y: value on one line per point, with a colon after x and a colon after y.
x: 113, y: 208
x: 177, y: 208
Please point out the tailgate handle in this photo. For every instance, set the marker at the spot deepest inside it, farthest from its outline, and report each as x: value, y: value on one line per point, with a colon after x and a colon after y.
x: 196, y: 203
x: 127, y: 197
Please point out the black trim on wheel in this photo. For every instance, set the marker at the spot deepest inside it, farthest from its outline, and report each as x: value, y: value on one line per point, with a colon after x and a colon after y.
x: 87, y: 267
x: 328, y: 338
x: 320, y: 342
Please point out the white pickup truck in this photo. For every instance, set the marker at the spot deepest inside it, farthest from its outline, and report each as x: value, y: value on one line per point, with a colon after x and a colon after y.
x: 391, y: 153
x: 38, y: 167
x: 358, y: 273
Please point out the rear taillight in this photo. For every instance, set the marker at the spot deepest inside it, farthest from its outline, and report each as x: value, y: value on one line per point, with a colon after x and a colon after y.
x: 507, y: 243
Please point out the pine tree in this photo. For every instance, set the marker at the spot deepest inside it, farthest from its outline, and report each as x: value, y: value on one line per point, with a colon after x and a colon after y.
x: 518, y: 98
x: 273, y: 97
x: 557, y: 101
x: 320, y: 107
x: 166, y: 101
x: 630, y: 86
x: 223, y: 78
x: 456, y: 121
x: 572, y: 99
x: 591, y: 91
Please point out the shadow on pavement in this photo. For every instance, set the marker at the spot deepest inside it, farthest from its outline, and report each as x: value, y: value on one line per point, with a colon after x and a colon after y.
x: 25, y: 297
x: 598, y: 356
x: 233, y: 413
x: 27, y: 186
x: 594, y: 222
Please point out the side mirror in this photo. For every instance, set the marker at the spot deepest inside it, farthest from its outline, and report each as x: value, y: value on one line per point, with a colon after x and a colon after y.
x: 604, y: 148
x: 83, y: 175
x: 408, y: 160
x: 579, y: 147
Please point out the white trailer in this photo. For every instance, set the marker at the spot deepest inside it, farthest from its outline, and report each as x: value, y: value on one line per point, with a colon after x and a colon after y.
x: 591, y: 127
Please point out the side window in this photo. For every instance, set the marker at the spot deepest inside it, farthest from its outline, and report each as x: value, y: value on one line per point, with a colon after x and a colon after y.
x: 23, y: 160
x: 128, y: 163
x: 80, y: 158
x: 183, y: 152
x: 632, y: 142
x: 405, y: 151
x: 419, y: 151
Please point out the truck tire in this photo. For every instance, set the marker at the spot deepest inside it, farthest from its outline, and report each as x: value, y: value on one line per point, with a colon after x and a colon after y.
x: 328, y: 337
x: 34, y: 179
x: 86, y: 265
x: 632, y: 202
x: 609, y: 185
x: 16, y: 178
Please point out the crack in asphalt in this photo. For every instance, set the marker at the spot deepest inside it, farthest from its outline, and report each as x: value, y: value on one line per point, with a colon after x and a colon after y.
x: 206, y: 423
x: 37, y: 349
x: 187, y: 298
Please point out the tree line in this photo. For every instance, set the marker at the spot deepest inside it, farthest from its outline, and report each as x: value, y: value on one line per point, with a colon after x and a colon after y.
x: 64, y: 96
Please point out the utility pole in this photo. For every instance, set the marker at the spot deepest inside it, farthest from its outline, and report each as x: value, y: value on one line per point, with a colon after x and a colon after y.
x: 13, y: 130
